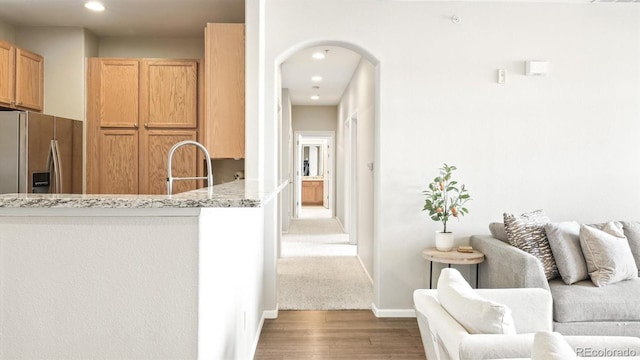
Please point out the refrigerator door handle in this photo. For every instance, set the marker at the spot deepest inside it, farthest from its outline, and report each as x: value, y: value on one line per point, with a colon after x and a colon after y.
x: 51, y: 166
x: 57, y: 166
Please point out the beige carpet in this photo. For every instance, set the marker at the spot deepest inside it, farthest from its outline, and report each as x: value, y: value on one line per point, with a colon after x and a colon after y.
x: 323, y: 283
x: 319, y: 269
x: 316, y: 237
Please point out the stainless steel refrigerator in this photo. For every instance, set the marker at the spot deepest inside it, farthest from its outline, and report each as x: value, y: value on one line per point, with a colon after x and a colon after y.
x: 40, y: 153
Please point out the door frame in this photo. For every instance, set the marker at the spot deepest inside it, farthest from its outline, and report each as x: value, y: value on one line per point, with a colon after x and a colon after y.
x: 351, y: 177
x: 314, y: 138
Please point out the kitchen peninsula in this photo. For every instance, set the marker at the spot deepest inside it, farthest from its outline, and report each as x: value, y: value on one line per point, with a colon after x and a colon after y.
x: 153, y: 276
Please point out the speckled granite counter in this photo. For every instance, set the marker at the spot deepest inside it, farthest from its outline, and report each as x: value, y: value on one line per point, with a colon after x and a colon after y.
x: 229, y: 195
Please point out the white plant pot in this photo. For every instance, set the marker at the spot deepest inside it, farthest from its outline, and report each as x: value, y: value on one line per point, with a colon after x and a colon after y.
x: 444, y: 241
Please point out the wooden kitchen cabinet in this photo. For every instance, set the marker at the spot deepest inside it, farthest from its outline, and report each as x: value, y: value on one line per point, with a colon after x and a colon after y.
x: 29, y: 80
x: 137, y: 109
x: 21, y: 78
x: 118, y: 92
x: 153, y: 161
x: 312, y: 192
x: 118, y: 159
x: 7, y: 73
x: 169, y: 93
x: 224, y: 123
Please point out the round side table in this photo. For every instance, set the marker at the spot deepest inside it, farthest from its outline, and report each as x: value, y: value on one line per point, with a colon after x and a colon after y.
x: 451, y: 257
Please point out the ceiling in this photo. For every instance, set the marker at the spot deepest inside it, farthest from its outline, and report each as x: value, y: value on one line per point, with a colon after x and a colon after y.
x: 179, y: 18
x: 185, y: 18
x: 336, y: 70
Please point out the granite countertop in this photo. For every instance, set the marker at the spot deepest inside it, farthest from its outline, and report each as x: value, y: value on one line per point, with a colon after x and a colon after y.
x: 234, y: 194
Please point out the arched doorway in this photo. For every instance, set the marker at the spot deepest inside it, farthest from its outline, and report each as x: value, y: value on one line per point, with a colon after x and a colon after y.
x: 354, y: 123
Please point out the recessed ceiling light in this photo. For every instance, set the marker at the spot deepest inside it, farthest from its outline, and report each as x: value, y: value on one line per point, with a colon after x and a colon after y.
x: 94, y: 6
x: 316, y: 78
x: 319, y: 55
x: 315, y: 97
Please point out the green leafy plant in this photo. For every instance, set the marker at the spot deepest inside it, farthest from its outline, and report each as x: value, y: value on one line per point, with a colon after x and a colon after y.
x: 444, y: 198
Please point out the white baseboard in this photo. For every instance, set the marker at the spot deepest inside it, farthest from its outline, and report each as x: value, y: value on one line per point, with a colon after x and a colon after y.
x: 267, y: 314
x: 365, y: 269
x: 340, y: 223
x: 391, y: 313
x: 270, y: 314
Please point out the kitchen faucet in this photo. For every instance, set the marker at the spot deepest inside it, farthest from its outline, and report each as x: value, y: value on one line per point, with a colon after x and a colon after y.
x: 170, y: 178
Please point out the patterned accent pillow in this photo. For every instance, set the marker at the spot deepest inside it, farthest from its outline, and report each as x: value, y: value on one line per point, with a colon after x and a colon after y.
x: 526, y: 232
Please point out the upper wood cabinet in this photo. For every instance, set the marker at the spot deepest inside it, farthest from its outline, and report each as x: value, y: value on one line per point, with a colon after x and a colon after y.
x: 170, y: 93
x: 136, y: 110
x: 7, y: 73
x: 119, y: 88
x: 21, y: 78
x: 29, y: 80
x: 225, y: 90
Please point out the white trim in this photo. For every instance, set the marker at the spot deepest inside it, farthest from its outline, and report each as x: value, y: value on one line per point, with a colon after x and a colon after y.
x: 330, y: 138
x: 340, y: 223
x: 270, y: 314
x: 267, y: 314
x: 365, y: 269
x: 392, y: 313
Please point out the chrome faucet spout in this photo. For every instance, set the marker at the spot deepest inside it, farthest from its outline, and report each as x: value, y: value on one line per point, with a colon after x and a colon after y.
x: 171, y: 179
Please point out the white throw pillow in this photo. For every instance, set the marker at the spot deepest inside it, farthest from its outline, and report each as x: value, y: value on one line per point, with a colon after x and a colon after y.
x: 551, y: 346
x: 608, y: 255
x: 476, y: 314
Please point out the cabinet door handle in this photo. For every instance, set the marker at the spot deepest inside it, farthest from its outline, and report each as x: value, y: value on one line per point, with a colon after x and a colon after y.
x: 135, y: 125
x: 146, y: 125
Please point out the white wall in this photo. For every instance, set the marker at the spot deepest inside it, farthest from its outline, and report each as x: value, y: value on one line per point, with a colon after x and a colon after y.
x: 315, y: 118
x: 109, y: 287
x: 566, y: 142
x: 152, y: 47
x: 7, y: 32
x: 359, y: 99
x: 63, y: 49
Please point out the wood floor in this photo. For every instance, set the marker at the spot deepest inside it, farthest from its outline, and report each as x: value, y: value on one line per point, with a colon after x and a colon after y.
x: 338, y: 335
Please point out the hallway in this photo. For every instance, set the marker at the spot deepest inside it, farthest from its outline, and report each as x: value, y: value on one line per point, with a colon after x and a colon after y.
x: 319, y: 269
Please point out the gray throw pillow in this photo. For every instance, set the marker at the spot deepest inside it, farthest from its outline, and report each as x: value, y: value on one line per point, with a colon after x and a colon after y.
x: 607, y: 252
x: 497, y: 231
x: 564, y: 239
x: 632, y: 232
x: 526, y: 232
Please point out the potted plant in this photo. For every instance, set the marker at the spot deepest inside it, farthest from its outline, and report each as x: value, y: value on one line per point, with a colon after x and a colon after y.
x: 444, y: 199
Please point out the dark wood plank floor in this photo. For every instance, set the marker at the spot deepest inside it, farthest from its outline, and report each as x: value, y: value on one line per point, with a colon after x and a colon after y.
x: 338, y: 335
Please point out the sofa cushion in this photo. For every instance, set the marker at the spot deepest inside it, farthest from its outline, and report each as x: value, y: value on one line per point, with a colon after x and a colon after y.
x: 475, y: 313
x: 607, y: 253
x: 583, y: 301
x: 497, y: 231
x: 526, y: 232
x: 632, y: 232
x: 551, y: 346
x: 564, y: 239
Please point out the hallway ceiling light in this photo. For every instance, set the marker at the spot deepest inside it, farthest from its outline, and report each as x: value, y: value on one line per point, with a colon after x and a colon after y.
x: 315, y: 97
x: 316, y: 78
x: 319, y: 55
x: 94, y: 6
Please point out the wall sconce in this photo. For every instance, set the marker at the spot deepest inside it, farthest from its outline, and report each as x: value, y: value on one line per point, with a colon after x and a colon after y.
x: 536, y: 68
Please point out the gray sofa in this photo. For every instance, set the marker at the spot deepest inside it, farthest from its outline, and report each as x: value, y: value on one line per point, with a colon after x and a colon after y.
x: 578, y: 309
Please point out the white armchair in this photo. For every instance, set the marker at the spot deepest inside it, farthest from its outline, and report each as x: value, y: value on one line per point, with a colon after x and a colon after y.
x: 445, y: 339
